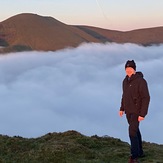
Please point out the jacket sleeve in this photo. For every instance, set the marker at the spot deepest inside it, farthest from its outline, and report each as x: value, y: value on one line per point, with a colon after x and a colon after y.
x: 145, y: 98
x: 122, y: 106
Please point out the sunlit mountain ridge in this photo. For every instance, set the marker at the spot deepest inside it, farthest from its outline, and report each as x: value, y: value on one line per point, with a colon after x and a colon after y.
x: 28, y: 31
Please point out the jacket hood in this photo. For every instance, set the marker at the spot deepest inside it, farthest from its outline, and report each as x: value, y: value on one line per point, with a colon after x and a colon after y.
x: 139, y: 74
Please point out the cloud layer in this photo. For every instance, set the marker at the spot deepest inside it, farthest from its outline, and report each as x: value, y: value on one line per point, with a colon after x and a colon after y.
x: 77, y: 89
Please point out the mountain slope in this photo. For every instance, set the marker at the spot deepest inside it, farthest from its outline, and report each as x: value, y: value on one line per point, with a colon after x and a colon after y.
x: 41, y: 33
x: 33, y: 32
x: 146, y: 36
x: 72, y: 147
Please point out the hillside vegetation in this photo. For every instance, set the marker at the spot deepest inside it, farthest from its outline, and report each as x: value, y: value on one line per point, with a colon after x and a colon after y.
x: 72, y: 147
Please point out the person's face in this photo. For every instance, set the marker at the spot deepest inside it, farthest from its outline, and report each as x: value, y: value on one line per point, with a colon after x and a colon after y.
x: 129, y: 71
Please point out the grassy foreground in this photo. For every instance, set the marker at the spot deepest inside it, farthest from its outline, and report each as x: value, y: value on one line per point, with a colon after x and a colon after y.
x: 72, y: 147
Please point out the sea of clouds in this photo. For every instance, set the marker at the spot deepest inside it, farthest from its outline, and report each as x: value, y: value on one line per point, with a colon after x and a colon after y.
x: 77, y: 89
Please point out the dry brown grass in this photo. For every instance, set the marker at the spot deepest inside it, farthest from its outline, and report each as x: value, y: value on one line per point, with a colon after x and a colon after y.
x: 34, y: 32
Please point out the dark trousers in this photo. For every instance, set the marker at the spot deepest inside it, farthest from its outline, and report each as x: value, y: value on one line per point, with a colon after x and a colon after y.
x: 134, y: 135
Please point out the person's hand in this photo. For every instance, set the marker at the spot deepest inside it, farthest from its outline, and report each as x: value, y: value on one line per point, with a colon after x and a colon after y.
x: 140, y: 118
x: 121, y: 113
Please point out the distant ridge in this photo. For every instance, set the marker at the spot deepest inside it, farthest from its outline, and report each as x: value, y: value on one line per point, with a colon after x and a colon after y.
x: 33, y: 32
x: 146, y: 36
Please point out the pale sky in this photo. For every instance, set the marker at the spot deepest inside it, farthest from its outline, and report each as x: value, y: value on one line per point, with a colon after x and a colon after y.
x: 110, y: 14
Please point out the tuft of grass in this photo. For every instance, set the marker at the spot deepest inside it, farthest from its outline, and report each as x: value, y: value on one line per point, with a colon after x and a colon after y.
x: 72, y: 147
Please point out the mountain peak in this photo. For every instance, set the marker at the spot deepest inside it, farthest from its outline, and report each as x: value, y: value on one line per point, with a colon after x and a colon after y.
x: 39, y: 33
x: 29, y: 31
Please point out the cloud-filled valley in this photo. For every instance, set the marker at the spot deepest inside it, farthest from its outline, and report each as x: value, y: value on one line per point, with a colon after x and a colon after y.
x: 77, y: 89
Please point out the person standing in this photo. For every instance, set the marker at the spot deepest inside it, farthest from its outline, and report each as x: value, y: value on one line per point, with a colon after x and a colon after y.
x: 134, y: 103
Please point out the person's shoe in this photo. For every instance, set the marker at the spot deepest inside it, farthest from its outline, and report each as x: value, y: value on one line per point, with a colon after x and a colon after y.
x: 135, y: 160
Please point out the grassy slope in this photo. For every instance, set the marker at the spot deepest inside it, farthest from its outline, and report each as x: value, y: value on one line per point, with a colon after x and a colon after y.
x: 28, y: 31
x: 72, y: 147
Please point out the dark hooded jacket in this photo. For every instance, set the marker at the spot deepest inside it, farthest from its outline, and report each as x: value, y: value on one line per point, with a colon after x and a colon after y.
x: 135, y: 97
